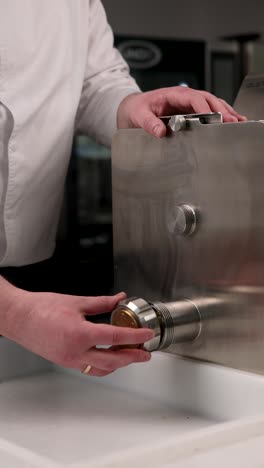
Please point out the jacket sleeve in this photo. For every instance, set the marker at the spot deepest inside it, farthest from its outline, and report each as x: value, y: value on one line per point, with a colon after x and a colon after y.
x: 107, y: 80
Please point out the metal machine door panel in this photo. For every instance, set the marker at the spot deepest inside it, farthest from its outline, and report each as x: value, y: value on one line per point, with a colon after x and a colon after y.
x: 212, y: 254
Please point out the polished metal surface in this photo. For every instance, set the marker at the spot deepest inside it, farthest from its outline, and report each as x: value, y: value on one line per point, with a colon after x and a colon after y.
x: 174, y: 322
x: 181, y: 322
x: 218, y: 169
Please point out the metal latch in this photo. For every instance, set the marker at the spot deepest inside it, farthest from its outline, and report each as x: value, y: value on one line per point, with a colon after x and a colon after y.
x: 182, y: 122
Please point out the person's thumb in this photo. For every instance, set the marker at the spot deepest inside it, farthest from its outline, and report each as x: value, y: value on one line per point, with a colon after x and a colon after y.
x: 152, y: 124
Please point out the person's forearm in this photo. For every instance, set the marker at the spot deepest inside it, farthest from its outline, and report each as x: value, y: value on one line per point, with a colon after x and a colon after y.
x: 10, y: 304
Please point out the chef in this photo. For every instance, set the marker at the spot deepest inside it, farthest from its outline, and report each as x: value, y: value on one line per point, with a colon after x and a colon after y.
x: 60, y: 74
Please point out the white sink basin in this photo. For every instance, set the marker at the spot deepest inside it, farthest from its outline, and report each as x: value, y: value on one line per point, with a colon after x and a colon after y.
x: 64, y: 419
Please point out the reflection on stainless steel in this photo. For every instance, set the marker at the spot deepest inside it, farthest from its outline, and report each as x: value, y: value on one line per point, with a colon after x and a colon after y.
x: 218, y: 169
x: 174, y: 322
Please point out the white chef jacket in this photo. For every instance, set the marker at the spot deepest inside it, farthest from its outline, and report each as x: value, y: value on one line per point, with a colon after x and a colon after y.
x: 59, y: 73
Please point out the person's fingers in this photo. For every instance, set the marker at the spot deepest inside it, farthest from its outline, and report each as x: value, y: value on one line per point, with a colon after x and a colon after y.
x: 186, y: 100
x: 152, y: 124
x: 100, y: 304
x: 241, y: 118
x: 198, y: 104
x: 220, y: 105
x: 217, y: 105
x: 109, y: 360
x: 114, y: 336
x: 177, y: 100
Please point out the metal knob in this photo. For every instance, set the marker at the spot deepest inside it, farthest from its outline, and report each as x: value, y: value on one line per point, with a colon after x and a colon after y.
x: 177, y: 123
x: 172, y: 322
x: 182, y: 220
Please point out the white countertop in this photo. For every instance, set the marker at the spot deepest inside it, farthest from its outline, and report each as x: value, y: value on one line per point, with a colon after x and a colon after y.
x: 169, y: 412
x: 69, y: 421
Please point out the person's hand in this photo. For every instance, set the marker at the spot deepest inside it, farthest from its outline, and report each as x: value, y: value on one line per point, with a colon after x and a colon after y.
x: 54, y: 327
x: 142, y: 110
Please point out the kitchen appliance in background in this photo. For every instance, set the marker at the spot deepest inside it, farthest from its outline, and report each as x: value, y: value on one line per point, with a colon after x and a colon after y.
x: 256, y: 57
x: 224, y: 69
x: 154, y: 63
x: 231, y: 59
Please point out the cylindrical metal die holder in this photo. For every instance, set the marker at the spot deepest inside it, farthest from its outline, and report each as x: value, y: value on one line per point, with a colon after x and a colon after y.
x: 182, y: 322
x: 138, y: 313
x: 173, y: 322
